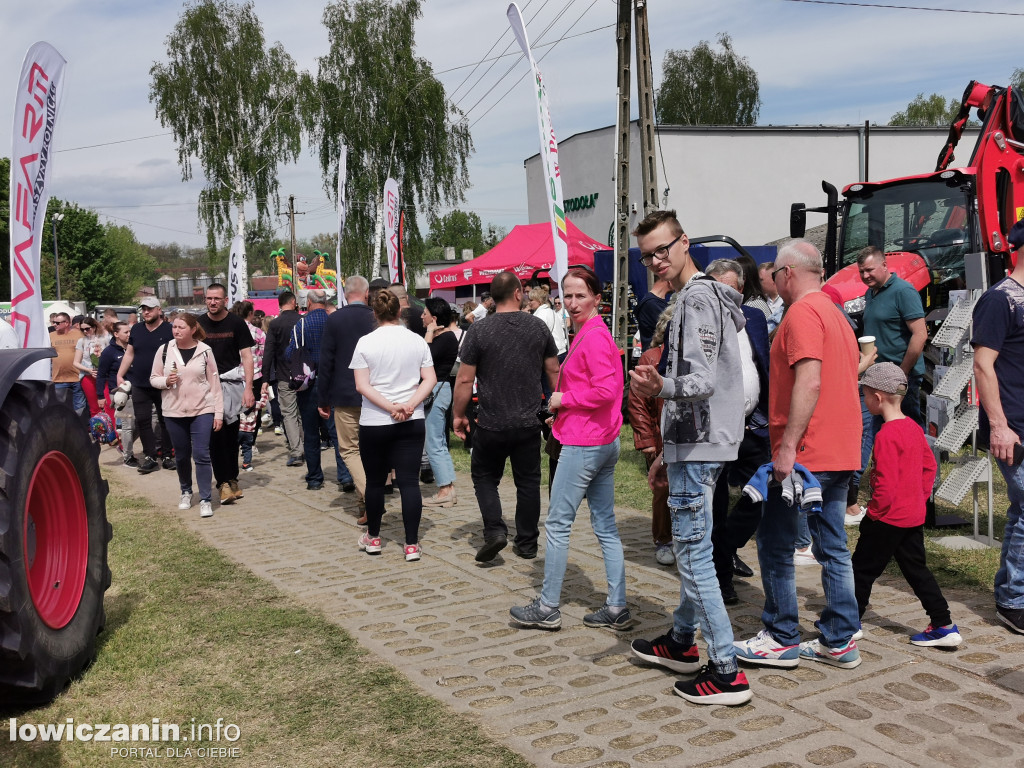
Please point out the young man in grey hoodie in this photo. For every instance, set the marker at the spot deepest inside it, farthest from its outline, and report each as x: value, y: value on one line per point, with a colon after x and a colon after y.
x: 701, y: 381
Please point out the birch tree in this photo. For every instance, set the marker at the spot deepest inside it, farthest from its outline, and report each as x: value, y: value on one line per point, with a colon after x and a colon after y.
x: 230, y: 103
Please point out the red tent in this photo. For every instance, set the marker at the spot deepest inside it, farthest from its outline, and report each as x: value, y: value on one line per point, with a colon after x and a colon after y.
x: 527, y: 248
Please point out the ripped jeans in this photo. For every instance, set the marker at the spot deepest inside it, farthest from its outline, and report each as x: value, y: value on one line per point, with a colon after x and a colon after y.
x: 691, y: 487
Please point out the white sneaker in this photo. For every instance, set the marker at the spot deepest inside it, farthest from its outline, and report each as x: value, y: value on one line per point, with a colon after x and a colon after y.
x: 255, y: 451
x: 278, y: 431
x: 804, y: 557
x: 186, y: 501
x: 205, y: 509
x: 855, y: 519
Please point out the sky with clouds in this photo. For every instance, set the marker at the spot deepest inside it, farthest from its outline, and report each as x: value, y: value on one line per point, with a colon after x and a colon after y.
x: 818, y: 63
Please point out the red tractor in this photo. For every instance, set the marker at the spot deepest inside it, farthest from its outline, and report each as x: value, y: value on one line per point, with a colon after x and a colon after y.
x: 926, y: 224
x: 53, y: 536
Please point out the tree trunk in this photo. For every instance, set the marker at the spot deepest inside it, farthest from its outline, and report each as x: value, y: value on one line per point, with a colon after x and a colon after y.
x: 378, y: 233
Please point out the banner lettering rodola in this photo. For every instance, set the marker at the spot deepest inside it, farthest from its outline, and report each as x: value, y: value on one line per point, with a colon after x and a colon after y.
x: 580, y: 203
x: 548, y: 151
x: 37, y: 105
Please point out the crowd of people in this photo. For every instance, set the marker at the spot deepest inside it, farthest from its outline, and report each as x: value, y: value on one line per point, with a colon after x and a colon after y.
x: 752, y: 377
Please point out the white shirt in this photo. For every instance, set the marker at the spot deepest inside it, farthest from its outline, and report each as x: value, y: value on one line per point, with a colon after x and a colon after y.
x: 775, y: 304
x: 751, y: 382
x: 480, y: 312
x: 555, y: 325
x: 394, y: 356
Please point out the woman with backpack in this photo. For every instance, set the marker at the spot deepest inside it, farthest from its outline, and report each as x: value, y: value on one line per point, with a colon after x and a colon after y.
x: 193, y: 405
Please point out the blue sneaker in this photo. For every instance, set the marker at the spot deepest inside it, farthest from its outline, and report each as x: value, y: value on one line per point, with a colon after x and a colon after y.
x: 765, y: 651
x: 846, y: 657
x: 536, y: 616
x: 941, y: 637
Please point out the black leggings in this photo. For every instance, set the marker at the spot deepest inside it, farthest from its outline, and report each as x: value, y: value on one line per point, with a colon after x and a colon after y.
x: 399, y: 447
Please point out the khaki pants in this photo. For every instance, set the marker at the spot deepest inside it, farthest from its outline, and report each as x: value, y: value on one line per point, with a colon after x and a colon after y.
x: 346, y: 423
x: 290, y: 419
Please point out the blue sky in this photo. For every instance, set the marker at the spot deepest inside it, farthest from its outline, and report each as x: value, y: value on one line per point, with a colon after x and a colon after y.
x: 817, y: 63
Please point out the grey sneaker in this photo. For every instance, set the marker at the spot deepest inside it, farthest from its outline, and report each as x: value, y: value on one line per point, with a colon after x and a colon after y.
x: 536, y: 616
x: 664, y: 554
x: 603, y: 617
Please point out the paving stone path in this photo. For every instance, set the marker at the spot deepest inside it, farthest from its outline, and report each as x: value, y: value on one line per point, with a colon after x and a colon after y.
x: 577, y: 697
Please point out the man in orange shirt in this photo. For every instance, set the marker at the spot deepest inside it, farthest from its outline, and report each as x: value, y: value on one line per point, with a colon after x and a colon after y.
x: 814, y: 421
x: 64, y: 375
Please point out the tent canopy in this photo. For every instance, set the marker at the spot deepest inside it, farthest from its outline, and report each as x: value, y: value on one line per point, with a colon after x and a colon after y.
x: 527, y: 248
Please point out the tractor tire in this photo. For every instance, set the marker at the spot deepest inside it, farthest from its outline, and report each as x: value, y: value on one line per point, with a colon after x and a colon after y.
x: 53, y: 544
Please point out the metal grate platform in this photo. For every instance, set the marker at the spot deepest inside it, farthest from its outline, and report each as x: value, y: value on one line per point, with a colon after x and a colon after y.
x: 953, y: 328
x: 960, y: 480
x: 959, y: 428
x: 956, y: 378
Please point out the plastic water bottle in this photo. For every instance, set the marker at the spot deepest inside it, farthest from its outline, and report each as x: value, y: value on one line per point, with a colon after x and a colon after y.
x: 174, y: 372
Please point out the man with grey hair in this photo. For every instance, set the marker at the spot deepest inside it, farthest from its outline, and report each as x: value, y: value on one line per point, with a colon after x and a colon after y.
x: 337, y: 386
x: 813, y: 417
x: 307, y: 335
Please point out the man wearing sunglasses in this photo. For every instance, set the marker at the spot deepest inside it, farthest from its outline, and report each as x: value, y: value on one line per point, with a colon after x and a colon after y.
x: 700, y: 379
x: 64, y: 339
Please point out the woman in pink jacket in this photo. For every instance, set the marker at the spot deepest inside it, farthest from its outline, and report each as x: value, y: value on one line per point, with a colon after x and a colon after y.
x: 588, y: 407
x: 193, y: 406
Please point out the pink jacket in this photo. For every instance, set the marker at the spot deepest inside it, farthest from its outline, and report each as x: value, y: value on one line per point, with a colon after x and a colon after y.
x: 591, y: 385
x: 198, y: 390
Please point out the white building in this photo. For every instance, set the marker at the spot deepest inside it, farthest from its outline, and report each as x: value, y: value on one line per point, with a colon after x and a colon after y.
x: 737, y: 181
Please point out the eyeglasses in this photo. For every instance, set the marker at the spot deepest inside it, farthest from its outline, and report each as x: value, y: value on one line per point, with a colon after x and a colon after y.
x: 85, y: 328
x: 646, y: 259
x: 776, y: 271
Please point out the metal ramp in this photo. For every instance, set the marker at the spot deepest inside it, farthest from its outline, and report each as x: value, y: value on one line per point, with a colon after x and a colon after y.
x: 959, y: 428
x: 953, y: 329
x: 962, y: 479
x: 956, y: 378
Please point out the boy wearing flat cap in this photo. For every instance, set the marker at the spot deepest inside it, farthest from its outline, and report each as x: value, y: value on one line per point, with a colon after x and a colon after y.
x: 901, y: 481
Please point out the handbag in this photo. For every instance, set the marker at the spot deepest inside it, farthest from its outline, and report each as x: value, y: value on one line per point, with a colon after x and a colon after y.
x: 301, y: 366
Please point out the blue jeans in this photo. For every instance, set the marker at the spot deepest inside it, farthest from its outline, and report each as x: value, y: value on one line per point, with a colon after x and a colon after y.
x: 246, y: 440
x: 775, y: 541
x: 803, y: 531
x: 311, y: 422
x: 867, y: 442
x: 77, y: 395
x: 190, y: 436
x: 584, y: 470
x: 437, y: 428
x: 691, y: 487
x: 1009, y: 585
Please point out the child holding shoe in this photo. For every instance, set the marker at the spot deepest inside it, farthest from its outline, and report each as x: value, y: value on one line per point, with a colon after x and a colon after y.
x: 901, y: 481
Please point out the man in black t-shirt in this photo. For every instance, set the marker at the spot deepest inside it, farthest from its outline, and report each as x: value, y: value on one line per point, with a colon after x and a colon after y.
x: 229, y: 338
x: 998, y: 341
x: 506, y: 352
x: 144, y: 340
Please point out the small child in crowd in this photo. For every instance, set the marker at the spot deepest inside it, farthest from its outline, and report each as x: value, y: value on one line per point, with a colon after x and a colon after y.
x: 901, y: 481
x: 248, y: 426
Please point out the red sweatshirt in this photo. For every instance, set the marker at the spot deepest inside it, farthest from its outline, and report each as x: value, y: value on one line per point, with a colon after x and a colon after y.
x: 903, y: 474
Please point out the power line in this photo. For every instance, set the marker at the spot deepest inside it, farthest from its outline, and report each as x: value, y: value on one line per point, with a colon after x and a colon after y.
x: 119, y: 141
x: 484, y: 58
x: 907, y: 7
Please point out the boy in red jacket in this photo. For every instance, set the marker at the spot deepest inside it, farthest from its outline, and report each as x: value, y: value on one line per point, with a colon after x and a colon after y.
x: 901, y: 481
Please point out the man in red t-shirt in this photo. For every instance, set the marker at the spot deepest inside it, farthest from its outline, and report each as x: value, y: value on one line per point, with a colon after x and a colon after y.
x: 815, y: 422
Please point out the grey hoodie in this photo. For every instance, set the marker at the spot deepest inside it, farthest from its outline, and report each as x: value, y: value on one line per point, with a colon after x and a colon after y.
x: 703, y: 390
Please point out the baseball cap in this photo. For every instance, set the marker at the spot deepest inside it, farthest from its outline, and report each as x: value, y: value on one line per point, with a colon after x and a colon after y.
x: 885, y: 377
x: 1016, y: 236
x: 149, y: 301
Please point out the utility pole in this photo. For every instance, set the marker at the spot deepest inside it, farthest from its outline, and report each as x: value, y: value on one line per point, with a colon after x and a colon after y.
x: 291, y: 217
x: 620, y: 297
x: 645, y: 93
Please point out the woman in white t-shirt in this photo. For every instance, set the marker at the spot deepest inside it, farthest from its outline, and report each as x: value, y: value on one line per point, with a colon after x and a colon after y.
x: 87, y: 357
x: 394, y: 372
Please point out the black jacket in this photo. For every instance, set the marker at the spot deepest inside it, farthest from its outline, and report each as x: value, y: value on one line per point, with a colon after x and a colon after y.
x: 336, y: 384
x: 275, y: 367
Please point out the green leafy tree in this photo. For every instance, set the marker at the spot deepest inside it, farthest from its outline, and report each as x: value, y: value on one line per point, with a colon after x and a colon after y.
x: 703, y: 86
x: 229, y: 101
x: 458, y: 229
x: 374, y: 95
x: 1017, y: 80
x: 5, y: 228
x: 129, y: 266
x: 493, y: 236
x: 926, y: 111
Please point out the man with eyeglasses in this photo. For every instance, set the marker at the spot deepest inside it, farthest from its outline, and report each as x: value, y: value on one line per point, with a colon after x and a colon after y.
x: 144, y: 340
x: 700, y: 379
x: 64, y: 374
x: 229, y: 338
x: 814, y: 419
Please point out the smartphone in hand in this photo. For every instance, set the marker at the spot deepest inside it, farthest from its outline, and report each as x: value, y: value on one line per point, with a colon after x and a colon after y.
x: 1018, y: 455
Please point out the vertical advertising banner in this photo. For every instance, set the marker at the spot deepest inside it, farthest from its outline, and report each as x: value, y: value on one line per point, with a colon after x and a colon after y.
x: 548, y: 151
x: 391, y: 227
x: 238, y: 267
x: 342, y: 215
x: 37, y: 104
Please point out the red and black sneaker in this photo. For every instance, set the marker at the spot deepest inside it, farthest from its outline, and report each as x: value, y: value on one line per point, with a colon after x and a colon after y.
x: 666, y: 652
x: 708, y: 688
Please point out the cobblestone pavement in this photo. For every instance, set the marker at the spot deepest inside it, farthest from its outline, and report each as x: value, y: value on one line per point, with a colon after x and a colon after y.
x: 577, y: 697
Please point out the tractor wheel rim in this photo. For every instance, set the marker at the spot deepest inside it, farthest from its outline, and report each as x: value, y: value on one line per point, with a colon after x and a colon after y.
x: 56, y: 539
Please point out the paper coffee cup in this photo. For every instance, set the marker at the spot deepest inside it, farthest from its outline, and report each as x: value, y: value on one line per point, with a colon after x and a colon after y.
x: 867, y: 344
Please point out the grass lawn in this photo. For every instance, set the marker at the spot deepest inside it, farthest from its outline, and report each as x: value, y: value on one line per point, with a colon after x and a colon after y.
x: 191, y: 635
x: 971, y: 568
